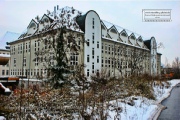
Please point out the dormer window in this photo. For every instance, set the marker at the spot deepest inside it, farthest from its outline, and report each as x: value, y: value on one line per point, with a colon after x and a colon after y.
x: 113, y: 31
x: 46, y: 20
x: 32, y: 25
x: 140, y: 40
x: 124, y: 34
x: 132, y: 37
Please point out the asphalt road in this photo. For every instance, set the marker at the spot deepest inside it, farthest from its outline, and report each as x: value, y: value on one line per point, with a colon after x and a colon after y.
x: 173, y: 106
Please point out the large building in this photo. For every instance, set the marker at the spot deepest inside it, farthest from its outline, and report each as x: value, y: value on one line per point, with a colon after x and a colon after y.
x: 107, y: 47
x: 4, y: 60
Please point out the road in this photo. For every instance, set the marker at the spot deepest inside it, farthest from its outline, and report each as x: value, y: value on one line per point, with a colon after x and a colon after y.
x: 173, y: 106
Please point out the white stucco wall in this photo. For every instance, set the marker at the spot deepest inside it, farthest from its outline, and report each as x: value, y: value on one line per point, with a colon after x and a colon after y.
x: 89, y: 30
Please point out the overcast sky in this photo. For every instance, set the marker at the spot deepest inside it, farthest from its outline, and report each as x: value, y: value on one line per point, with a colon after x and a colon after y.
x: 16, y: 14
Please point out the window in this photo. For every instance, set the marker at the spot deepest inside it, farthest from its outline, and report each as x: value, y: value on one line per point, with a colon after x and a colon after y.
x: 113, y: 31
x: 21, y: 47
x: 93, y: 53
x: 87, y: 58
x: 132, y: 37
x: 93, y: 38
x: 3, y: 72
x: 26, y: 48
x: 105, y: 48
x: 97, y: 44
x: 36, y: 61
x: 97, y: 59
x: 102, y: 61
x: 74, y: 59
x: 93, y: 23
x: 35, y: 46
x: 93, y: 65
x: 29, y: 46
x: 106, y: 62
x: 109, y: 49
x: 18, y: 48
x: 14, y: 50
x: 14, y: 62
x: 88, y: 72
x: 102, y: 48
x: 124, y: 34
x: 87, y: 42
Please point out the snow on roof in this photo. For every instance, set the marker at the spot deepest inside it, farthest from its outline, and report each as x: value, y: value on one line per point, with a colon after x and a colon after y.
x: 119, y: 29
x: 69, y: 14
x: 8, y: 37
x: 107, y: 24
x: 4, y: 55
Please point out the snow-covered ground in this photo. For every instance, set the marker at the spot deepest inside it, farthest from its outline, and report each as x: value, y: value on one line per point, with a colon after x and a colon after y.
x: 2, y: 118
x: 143, y: 109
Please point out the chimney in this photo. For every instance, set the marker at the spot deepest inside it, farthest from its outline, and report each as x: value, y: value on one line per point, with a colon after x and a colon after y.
x: 54, y: 9
x: 57, y: 7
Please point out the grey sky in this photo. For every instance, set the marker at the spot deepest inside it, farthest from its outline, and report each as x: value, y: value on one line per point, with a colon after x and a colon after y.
x: 16, y: 15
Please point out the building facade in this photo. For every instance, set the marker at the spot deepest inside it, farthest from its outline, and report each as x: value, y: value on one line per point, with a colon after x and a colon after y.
x: 103, y: 46
x: 4, y: 69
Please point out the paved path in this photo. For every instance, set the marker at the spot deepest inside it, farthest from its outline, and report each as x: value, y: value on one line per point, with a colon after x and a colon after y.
x: 173, y: 106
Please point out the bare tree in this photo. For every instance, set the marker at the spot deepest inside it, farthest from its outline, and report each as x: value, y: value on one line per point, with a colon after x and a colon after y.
x: 176, y: 67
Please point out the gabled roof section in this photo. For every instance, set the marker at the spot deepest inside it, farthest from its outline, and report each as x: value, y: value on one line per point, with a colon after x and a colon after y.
x: 108, y: 36
x: 119, y: 29
x: 148, y: 44
x: 107, y: 24
x: 129, y: 42
x: 132, y: 36
x: 137, y: 44
x: 140, y: 39
x: 51, y: 20
x: 124, y: 31
x: 103, y: 25
x: 31, y: 22
x: 145, y: 46
x: 113, y: 27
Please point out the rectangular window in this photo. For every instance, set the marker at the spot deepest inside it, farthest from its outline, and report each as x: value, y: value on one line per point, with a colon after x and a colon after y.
x: 93, y: 38
x: 21, y: 48
x: 93, y: 53
x: 29, y: 47
x: 97, y: 44
x: 105, y: 48
x: 26, y: 47
x: 3, y: 73
x: 87, y: 42
x: 102, y: 61
x: 88, y: 72
x: 93, y: 23
x: 7, y: 72
x: 87, y: 58
x: 97, y: 59
x: 93, y: 65
x: 74, y: 59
